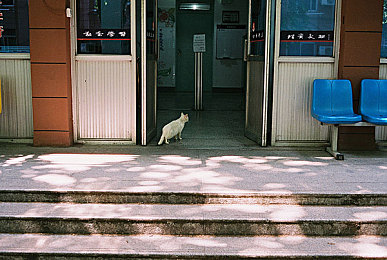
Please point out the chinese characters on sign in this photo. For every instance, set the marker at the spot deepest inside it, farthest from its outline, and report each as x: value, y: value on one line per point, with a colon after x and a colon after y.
x: 103, y: 34
x: 257, y: 36
x: 311, y: 36
x: 1, y: 19
x: 150, y: 35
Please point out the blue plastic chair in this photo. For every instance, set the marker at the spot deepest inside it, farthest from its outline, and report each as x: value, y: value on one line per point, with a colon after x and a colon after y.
x: 373, y: 101
x: 332, y: 102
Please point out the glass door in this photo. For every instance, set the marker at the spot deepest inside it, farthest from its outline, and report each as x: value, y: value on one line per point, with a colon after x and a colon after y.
x: 257, y: 56
x: 149, y: 56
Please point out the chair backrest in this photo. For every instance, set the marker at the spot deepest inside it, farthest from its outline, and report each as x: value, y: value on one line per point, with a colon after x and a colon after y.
x: 332, y: 97
x: 373, y: 97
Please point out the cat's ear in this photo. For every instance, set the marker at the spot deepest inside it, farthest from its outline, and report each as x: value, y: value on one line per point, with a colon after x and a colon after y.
x: 182, y: 114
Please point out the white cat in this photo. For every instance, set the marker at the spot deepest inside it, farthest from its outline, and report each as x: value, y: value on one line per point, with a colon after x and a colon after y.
x: 173, y: 129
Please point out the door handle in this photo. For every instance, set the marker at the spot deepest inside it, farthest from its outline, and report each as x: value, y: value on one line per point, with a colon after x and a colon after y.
x: 245, y: 49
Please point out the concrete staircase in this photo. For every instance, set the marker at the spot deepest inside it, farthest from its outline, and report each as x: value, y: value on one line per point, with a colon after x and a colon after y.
x: 119, y: 225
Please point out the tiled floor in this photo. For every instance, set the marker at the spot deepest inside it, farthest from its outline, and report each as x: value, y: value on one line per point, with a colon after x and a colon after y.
x: 219, y: 125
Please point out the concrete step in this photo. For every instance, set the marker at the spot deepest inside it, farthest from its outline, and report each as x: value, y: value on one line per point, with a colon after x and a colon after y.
x: 164, y: 219
x: 27, y: 246
x: 74, y: 196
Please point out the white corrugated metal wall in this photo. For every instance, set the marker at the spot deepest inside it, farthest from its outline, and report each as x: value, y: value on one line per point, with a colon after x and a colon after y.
x: 292, y: 120
x: 104, y: 100
x: 16, y: 120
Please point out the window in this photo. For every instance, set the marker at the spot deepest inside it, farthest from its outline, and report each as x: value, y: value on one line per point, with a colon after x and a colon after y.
x: 14, y: 26
x: 383, y: 53
x: 313, y: 6
x: 307, y: 28
x: 150, y: 27
x: 103, y: 27
x: 257, y: 28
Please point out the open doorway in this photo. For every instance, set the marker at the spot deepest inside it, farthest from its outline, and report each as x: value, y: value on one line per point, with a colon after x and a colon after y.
x: 225, y: 23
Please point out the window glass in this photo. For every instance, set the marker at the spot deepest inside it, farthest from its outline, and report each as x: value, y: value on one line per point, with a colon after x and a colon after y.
x: 150, y: 27
x: 307, y: 27
x: 14, y: 26
x: 257, y: 27
x: 383, y: 53
x: 103, y: 26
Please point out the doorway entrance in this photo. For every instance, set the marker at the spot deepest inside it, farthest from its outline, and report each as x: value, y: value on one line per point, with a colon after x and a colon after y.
x: 234, y: 67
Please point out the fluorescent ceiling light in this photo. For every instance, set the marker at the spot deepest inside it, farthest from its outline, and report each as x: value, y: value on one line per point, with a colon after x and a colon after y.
x: 194, y: 6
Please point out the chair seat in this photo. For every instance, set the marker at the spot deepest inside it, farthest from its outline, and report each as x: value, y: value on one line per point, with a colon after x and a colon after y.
x: 376, y: 119
x: 332, y: 102
x: 338, y: 119
x: 373, y: 101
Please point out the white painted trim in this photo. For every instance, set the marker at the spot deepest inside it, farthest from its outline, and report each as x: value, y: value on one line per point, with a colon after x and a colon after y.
x: 133, y: 83
x: 105, y: 142
x: 73, y: 48
x: 336, y: 40
x: 383, y: 60
x: 143, y: 74
x: 15, y: 56
x: 300, y: 144
x: 265, y: 105
x: 275, y: 72
x: 88, y: 57
x: 96, y: 57
x: 300, y: 59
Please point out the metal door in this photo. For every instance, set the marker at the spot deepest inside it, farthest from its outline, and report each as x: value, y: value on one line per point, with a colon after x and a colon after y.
x: 149, y: 54
x: 104, y: 71
x: 257, y: 56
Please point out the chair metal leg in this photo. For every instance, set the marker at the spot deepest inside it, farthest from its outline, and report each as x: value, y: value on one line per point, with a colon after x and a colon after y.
x: 334, y: 139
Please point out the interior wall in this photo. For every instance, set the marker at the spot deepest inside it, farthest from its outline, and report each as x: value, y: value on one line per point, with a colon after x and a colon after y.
x: 229, y: 73
x: 167, y: 43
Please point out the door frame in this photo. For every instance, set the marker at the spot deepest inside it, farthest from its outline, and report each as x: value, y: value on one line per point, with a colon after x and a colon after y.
x: 145, y: 135
x: 300, y: 59
x: 102, y: 57
x: 267, y: 71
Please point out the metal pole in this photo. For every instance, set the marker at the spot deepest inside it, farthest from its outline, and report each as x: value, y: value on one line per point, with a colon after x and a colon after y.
x: 198, y: 81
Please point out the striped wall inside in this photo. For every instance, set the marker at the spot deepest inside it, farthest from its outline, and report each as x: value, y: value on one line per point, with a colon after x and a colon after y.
x: 292, y: 120
x: 16, y: 99
x: 105, y: 107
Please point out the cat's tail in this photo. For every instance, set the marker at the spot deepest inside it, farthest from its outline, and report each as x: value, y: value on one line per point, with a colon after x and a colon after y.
x: 161, y: 140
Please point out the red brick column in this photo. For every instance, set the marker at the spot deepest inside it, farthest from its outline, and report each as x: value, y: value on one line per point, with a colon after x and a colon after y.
x: 51, y: 73
x: 360, y: 42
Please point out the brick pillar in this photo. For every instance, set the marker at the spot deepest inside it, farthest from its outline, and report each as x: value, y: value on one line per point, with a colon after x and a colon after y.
x: 360, y: 42
x: 51, y: 72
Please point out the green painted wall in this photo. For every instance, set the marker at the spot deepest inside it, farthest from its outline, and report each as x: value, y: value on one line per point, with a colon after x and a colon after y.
x: 189, y: 23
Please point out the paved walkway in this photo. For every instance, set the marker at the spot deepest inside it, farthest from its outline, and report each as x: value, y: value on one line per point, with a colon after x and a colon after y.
x: 174, y: 169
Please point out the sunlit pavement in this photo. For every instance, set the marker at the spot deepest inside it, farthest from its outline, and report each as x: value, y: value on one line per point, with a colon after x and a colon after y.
x: 174, y: 201
x: 169, y: 168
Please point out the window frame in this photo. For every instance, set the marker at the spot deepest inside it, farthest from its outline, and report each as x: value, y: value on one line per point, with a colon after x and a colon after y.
x: 336, y: 33
x: 103, y: 57
x: 17, y: 54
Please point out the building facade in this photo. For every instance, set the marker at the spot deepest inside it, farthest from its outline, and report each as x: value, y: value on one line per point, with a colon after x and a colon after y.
x: 77, y: 71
